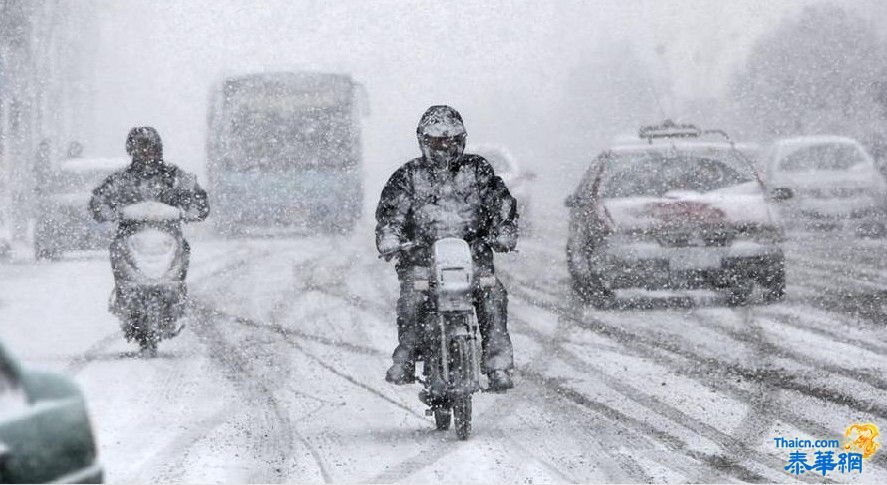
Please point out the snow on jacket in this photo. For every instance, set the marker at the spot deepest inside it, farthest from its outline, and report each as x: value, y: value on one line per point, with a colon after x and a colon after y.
x: 468, y: 200
x: 163, y: 182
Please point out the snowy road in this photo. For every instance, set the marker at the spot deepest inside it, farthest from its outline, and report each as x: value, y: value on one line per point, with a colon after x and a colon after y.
x: 279, y: 374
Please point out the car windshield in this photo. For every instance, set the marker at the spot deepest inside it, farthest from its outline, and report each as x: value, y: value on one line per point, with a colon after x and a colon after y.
x: 654, y: 174
x: 831, y: 156
x: 76, y: 180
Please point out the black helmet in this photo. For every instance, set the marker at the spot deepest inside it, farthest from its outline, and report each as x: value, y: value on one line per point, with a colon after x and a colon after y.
x: 441, y: 134
x: 143, y: 143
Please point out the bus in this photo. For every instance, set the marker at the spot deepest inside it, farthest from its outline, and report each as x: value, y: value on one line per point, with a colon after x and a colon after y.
x: 284, y: 150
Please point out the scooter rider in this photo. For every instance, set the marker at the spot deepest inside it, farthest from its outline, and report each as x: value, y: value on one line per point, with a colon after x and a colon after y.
x: 443, y: 189
x: 147, y: 178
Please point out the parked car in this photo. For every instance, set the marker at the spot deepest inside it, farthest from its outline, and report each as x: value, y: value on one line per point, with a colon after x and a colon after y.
x: 675, y: 212
x: 45, y: 433
x: 63, y: 221
x: 836, y: 183
x: 519, y: 181
x: 5, y: 238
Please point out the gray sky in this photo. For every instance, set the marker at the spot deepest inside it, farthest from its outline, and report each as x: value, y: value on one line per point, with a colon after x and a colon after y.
x: 503, y: 64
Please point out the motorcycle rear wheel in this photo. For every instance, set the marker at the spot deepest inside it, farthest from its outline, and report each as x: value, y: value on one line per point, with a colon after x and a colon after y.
x: 148, y: 346
x: 462, y: 416
x: 442, y: 419
x: 145, y: 336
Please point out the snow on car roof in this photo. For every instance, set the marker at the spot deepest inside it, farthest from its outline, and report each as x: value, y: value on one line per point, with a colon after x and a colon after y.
x: 679, y: 145
x: 801, y: 141
x: 108, y: 164
x: 701, y: 148
x: 786, y: 146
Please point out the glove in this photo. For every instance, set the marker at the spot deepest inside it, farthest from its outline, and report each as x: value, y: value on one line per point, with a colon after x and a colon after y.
x: 389, y: 243
x: 502, y: 243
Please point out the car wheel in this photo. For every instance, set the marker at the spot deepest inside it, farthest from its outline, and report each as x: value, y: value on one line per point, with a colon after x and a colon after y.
x: 774, y: 285
x: 872, y: 230
x: 45, y: 252
x: 592, y: 292
x: 739, y: 292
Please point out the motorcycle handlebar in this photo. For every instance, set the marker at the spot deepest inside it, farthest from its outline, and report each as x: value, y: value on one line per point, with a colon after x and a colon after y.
x: 407, y: 246
x: 150, y: 211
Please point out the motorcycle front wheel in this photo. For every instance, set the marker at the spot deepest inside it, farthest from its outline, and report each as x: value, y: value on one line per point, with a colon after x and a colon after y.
x: 462, y: 416
x: 148, y: 347
x: 144, y: 333
x: 442, y: 418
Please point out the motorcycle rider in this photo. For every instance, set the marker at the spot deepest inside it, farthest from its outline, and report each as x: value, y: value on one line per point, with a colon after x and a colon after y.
x: 424, y: 199
x: 147, y: 178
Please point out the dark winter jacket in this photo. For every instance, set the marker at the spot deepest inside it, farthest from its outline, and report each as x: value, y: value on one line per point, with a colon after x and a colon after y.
x: 164, y: 183
x: 468, y: 200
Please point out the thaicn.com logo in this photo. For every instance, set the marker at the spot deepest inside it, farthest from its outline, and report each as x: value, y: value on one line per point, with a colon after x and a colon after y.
x: 861, y: 441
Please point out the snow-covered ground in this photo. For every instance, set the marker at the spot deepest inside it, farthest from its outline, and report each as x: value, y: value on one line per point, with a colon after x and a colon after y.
x: 278, y: 376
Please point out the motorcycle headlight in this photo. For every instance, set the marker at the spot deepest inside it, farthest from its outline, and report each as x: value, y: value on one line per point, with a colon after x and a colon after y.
x: 153, y: 252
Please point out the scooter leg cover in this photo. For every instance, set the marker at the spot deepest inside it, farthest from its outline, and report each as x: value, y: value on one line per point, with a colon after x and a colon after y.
x: 117, y: 258
x: 492, y: 315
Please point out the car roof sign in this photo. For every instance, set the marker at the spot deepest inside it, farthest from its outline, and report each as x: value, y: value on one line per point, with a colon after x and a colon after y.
x: 669, y: 129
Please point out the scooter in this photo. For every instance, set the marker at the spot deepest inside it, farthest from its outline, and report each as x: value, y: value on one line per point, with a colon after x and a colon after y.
x: 150, y: 267
x: 451, y: 349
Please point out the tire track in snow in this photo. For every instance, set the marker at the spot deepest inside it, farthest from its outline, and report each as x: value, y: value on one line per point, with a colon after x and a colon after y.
x: 714, y: 367
x: 167, y: 465
x: 278, y: 428
x: 94, y: 351
x: 776, y: 378
x: 412, y: 467
x: 649, y: 402
x: 763, y: 347
x: 236, y: 368
x: 384, y: 311
x: 91, y: 354
x: 766, y: 404
x: 784, y: 317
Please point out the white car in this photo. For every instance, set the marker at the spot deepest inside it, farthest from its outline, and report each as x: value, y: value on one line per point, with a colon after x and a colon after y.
x: 680, y: 213
x: 64, y: 222
x: 5, y: 237
x: 835, y: 181
x: 519, y: 181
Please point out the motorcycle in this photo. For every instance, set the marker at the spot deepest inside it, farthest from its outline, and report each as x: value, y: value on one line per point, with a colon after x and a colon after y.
x: 451, y: 350
x: 150, y: 260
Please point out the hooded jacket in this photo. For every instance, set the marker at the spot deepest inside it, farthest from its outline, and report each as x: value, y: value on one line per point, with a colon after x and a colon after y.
x: 160, y: 181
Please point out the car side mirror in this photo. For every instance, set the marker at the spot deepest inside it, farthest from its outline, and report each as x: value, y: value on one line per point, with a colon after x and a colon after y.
x: 780, y: 194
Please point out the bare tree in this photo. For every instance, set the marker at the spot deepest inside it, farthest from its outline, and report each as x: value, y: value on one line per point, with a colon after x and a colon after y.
x: 817, y: 72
